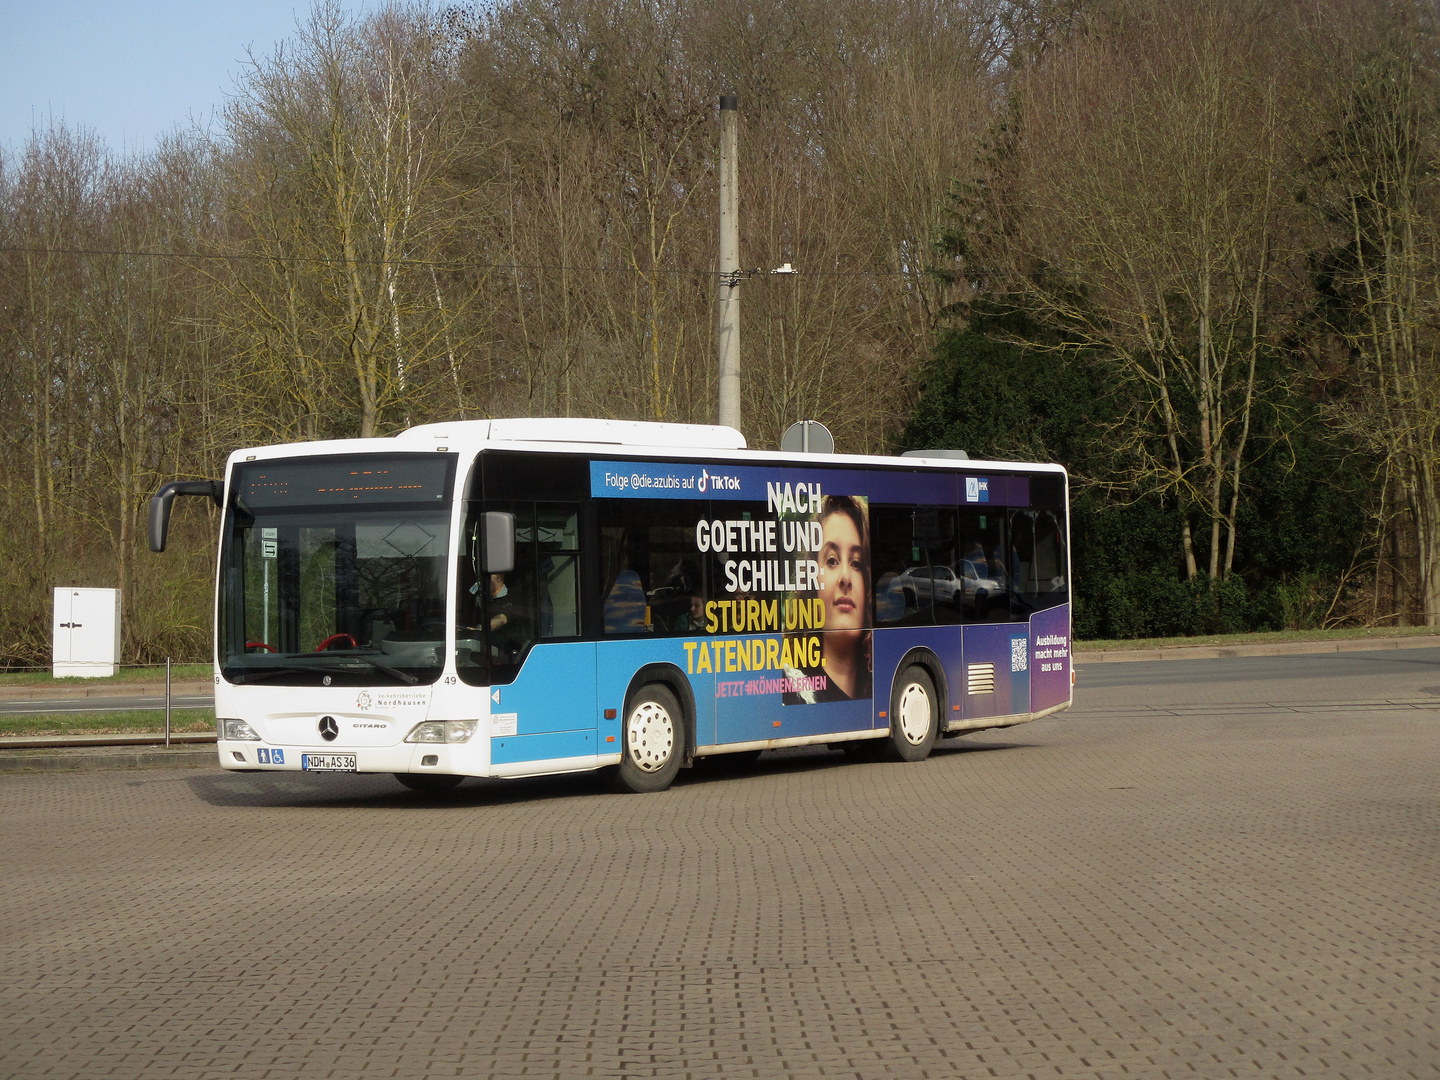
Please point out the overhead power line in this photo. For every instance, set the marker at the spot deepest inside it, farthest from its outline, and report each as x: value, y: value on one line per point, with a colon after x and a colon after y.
x: 786, y: 270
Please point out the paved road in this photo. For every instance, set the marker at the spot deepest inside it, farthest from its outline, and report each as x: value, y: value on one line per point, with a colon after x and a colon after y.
x: 1211, y: 868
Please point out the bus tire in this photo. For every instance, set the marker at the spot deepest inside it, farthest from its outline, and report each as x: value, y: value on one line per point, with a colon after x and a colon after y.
x: 653, y: 740
x: 914, y: 716
x: 432, y: 783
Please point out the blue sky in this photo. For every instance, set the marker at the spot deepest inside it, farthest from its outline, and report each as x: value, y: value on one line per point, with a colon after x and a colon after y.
x: 130, y: 69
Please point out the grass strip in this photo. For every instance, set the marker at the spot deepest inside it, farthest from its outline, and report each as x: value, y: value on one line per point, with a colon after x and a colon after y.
x: 139, y: 722
x: 1273, y: 637
x: 187, y: 672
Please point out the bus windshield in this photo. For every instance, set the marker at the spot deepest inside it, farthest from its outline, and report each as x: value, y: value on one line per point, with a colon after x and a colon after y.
x: 334, y: 570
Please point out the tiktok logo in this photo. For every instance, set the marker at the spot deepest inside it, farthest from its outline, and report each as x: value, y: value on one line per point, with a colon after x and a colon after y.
x: 717, y: 482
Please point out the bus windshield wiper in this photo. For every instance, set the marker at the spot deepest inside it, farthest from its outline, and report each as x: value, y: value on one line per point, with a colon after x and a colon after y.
x: 265, y: 673
x: 305, y: 669
x: 403, y: 676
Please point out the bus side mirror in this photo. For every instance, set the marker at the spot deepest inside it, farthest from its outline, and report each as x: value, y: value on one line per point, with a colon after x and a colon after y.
x: 161, y: 503
x: 499, y: 542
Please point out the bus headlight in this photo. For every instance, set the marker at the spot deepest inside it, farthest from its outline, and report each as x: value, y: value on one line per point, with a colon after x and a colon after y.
x: 237, y: 729
x: 442, y: 731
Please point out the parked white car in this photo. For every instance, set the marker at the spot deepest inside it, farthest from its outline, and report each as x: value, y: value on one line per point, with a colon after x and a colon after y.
x: 939, y: 584
x: 982, y: 586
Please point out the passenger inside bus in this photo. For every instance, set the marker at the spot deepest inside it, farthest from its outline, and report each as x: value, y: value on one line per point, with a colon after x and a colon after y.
x: 692, y: 620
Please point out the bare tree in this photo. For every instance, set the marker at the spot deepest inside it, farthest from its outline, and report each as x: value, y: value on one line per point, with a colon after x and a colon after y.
x: 343, y: 148
x: 1135, y: 214
x: 1377, y: 176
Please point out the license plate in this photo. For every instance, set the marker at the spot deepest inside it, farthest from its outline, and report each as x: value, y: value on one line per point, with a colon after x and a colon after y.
x: 327, y: 762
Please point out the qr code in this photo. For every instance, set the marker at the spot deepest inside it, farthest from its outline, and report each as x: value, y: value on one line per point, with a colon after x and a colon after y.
x: 1019, y: 653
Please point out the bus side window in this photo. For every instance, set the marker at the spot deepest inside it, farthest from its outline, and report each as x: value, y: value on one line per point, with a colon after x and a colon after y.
x: 499, y: 616
x: 557, y: 531
x: 1020, y: 562
x: 652, y: 575
x: 984, y: 584
x: 1039, y: 553
x: 509, y: 600
x: 936, y: 536
x: 900, y: 567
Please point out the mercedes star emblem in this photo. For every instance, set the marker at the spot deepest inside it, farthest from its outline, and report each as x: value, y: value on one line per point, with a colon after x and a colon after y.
x: 329, y: 729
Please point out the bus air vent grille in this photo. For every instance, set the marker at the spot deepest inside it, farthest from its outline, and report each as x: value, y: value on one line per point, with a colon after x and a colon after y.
x: 980, y: 678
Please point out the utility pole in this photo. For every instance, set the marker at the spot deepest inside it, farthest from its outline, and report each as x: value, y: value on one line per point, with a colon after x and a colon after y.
x: 729, y: 329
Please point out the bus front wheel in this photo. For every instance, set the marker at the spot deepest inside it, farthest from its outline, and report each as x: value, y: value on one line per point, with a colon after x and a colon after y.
x: 914, y: 716
x: 654, y: 734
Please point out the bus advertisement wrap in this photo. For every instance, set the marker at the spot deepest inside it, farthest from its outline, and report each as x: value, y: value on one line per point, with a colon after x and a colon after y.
x: 802, y: 570
x: 786, y: 558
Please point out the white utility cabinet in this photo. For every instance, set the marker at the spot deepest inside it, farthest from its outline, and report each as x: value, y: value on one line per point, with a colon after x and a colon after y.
x: 87, y: 633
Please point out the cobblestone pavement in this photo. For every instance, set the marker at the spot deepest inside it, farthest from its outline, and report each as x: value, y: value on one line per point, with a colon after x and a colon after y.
x: 1207, y: 870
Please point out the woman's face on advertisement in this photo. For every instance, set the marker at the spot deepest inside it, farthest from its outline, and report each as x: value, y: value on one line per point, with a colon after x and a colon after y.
x: 842, y: 574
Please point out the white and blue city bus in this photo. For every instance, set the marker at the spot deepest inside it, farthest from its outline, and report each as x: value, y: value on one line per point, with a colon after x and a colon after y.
x: 526, y: 597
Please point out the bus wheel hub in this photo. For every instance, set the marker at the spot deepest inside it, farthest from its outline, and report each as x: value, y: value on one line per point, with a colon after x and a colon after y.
x: 914, y: 713
x: 650, y: 736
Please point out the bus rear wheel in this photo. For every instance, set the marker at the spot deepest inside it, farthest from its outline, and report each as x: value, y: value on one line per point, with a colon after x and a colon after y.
x: 914, y: 716
x: 654, y: 740
x: 432, y: 783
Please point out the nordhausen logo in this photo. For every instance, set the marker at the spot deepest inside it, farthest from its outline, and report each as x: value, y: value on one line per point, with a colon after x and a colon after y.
x: 363, y: 701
